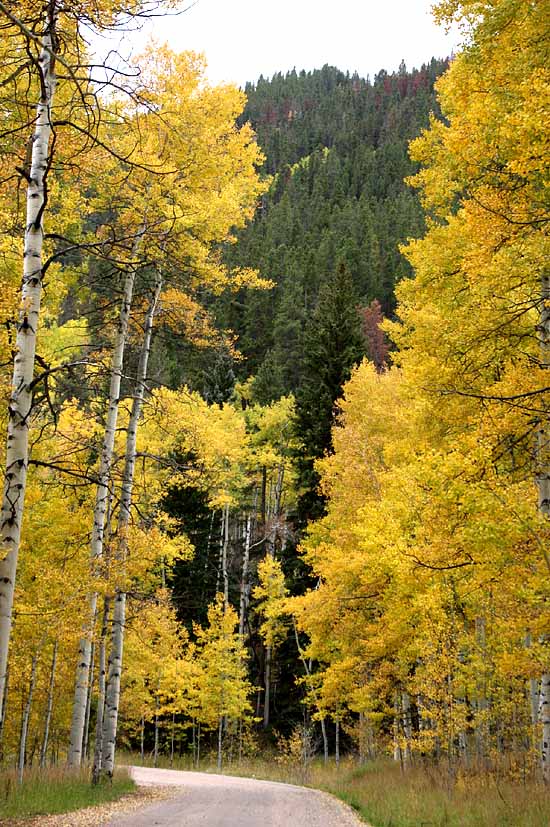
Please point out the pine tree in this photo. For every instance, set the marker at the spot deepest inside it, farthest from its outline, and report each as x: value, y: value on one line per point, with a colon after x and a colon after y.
x: 333, y: 345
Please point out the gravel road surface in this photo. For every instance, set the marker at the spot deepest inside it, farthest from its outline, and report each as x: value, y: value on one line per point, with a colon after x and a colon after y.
x: 225, y: 801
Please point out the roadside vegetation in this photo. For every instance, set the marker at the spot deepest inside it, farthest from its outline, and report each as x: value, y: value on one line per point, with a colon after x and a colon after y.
x: 57, y: 790
x: 385, y: 796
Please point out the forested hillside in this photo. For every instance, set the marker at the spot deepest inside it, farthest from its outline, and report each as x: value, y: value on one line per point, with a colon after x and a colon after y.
x: 337, y: 148
x: 274, y: 393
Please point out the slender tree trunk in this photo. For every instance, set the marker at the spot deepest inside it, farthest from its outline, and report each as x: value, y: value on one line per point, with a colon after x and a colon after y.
x: 199, y: 745
x: 100, y: 510
x: 4, y: 703
x: 407, y: 726
x: 267, y: 685
x: 96, y: 770
x: 225, y: 545
x: 543, y: 485
x: 244, y: 578
x: 156, y: 747
x: 142, y: 740
x: 220, y: 554
x: 86, y: 733
x: 25, y: 721
x: 112, y: 701
x: 19, y: 406
x: 172, y: 739
x: 49, y: 708
x: 220, y: 742
x: 337, y: 742
x: 544, y: 717
x: 325, y: 740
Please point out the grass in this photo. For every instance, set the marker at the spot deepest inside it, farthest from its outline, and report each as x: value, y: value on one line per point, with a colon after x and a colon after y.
x: 384, y: 796
x: 56, y: 790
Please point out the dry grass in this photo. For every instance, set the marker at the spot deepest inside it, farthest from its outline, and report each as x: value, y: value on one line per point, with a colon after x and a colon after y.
x: 56, y: 790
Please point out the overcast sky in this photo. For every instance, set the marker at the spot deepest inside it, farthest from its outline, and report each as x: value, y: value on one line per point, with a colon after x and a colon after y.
x: 245, y: 38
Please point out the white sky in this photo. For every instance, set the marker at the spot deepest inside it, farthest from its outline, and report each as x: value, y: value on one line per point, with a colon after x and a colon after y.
x: 245, y: 38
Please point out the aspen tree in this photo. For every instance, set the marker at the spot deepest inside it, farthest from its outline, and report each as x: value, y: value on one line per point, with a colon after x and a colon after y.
x: 100, y: 510
x: 60, y: 42
x: 119, y: 615
x: 23, y: 367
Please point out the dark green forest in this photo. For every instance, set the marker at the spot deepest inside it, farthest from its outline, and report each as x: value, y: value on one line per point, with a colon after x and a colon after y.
x: 337, y: 148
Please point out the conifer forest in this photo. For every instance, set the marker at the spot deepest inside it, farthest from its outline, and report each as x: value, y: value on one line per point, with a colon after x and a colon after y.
x: 275, y: 402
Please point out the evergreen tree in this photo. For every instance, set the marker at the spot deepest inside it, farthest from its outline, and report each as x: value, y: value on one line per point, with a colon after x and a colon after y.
x: 333, y: 345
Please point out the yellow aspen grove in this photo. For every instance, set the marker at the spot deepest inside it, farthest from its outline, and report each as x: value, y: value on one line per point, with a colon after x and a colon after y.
x: 277, y: 414
x: 59, y: 32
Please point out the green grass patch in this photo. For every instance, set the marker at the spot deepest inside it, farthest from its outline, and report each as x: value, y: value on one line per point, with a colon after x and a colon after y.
x: 57, y: 790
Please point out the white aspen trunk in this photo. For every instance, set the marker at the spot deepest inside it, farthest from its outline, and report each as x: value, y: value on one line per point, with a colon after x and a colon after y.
x: 267, y: 685
x: 49, y: 708
x: 544, y: 717
x: 220, y: 742
x: 207, y: 556
x: 4, y: 703
x: 220, y: 556
x: 100, y: 510
x: 112, y: 698
x: 156, y: 747
x: 172, y: 739
x: 96, y: 770
x: 534, y: 700
x: 225, y: 574
x: 25, y: 721
x: 19, y: 406
x: 325, y: 740
x: 407, y: 726
x: 337, y: 743
x: 361, y: 737
x: 270, y: 551
x: 86, y: 733
x: 543, y: 431
x: 543, y: 485
x: 244, y: 577
x: 142, y: 740
x: 397, y: 756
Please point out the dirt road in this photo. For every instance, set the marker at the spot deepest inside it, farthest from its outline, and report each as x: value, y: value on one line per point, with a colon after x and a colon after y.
x: 207, y: 800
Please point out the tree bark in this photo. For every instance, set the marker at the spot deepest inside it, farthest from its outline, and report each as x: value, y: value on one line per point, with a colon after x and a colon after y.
x: 49, y: 708
x: 112, y: 698
x: 543, y: 485
x: 156, y: 746
x: 544, y: 717
x: 19, y: 406
x: 25, y: 721
x: 220, y: 742
x: 96, y: 770
x: 225, y: 574
x: 267, y: 685
x: 86, y: 733
x: 244, y: 578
